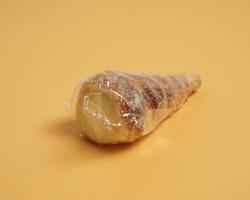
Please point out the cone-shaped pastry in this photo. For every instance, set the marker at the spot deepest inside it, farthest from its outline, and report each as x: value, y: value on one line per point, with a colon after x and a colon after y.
x: 115, y: 107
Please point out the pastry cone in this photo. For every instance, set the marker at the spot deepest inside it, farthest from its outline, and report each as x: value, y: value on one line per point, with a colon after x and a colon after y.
x: 116, y: 107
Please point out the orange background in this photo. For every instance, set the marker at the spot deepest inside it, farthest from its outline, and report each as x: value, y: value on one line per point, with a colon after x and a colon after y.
x: 202, y: 152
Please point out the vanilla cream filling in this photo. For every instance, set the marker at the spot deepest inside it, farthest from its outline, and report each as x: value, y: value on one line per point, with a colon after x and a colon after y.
x: 99, y: 119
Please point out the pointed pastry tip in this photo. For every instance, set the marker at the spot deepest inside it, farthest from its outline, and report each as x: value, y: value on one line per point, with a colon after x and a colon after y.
x: 195, y: 81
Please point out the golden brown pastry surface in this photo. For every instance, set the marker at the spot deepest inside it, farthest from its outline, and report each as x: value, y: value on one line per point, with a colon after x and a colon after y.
x: 117, y: 107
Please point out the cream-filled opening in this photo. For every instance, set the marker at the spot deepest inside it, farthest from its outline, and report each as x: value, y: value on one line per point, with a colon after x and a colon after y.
x: 100, y: 119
